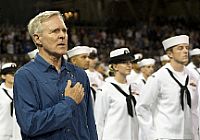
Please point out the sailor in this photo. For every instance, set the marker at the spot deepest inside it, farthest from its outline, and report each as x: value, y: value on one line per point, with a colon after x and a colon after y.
x: 167, y: 107
x: 9, y: 129
x: 79, y: 56
x: 194, y: 64
x: 147, y: 67
x: 96, y: 79
x: 135, y: 72
x: 164, y: 59
x: 115, y: 106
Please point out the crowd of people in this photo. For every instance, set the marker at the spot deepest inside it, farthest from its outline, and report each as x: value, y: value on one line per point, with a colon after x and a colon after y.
x: 143, y: 37
x: 139, y: 83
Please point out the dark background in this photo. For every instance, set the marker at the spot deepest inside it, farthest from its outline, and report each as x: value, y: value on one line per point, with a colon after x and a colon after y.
x: 102, y: 12
x: 148, y: 21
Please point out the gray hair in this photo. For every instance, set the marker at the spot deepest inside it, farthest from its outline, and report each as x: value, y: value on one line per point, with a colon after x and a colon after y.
x: 34, y: 25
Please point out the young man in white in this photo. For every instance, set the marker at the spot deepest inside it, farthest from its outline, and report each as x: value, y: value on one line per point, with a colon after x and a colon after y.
x: 147, y: 67
x: 167, y: 107
x: 96, y: 79
x: 135, y: 72
x: 79, y: 56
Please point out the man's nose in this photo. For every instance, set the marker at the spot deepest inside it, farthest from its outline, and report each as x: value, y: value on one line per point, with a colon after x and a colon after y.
x: 62, y: 35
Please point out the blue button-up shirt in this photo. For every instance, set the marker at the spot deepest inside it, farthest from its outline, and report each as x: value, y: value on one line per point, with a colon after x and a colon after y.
x: 42, y: 110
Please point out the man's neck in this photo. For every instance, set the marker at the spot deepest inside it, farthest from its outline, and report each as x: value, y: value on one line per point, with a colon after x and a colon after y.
x: 55, y: 61
x: 92, y: 69
x: 120, y: 78
x: 145, y: 76
x: 8, y: 85
x: 177, y: 66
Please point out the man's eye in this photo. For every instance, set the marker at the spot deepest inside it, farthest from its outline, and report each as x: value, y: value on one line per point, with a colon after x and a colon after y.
x: 64, y: 30
x: 180, y: 47
x: 55, y: 31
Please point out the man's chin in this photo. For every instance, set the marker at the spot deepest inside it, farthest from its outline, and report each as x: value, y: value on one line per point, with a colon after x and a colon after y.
x: 185, y: 62
x: 61, y: 53
x: 85, y: 68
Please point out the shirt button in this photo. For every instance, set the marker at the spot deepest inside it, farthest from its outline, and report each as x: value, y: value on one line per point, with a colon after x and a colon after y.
x: 68, y: 130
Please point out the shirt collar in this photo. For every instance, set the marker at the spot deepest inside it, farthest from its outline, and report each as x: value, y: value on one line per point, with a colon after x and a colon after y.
x: 66, y: 65
x: 44, y: 65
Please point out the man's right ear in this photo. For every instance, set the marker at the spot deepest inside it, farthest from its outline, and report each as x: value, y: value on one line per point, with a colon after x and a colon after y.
x: 169, y: 53
x: 37, y: 39
x: 73, y: 60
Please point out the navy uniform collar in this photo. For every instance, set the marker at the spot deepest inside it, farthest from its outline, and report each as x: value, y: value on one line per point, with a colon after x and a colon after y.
x: 44, y: 65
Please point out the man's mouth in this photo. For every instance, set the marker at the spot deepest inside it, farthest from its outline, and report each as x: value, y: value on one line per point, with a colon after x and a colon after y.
x: 62, y: 44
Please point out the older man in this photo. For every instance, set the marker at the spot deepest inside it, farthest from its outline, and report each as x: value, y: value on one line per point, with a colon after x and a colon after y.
x: 52, y: 96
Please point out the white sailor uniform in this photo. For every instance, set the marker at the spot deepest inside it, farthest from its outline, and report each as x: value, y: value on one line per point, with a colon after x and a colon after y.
x: 136, y: 88
x: 132, y: 77
x: 5, y: 113
x: 111, y: 114
x: 9, y: 128
x: 194, y: 69
x: 160, y: 102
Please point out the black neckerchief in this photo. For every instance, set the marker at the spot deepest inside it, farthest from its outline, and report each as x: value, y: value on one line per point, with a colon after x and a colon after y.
x: 11, y: 104
x: 183, y: 90
x: 143, y: 81
x: 197, y: 71
x: 93, y: 92
x: 129, y: 98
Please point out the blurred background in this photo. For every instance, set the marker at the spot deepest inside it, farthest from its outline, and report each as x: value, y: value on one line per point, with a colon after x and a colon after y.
x: 140, y: 25
x: 101, y: 12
